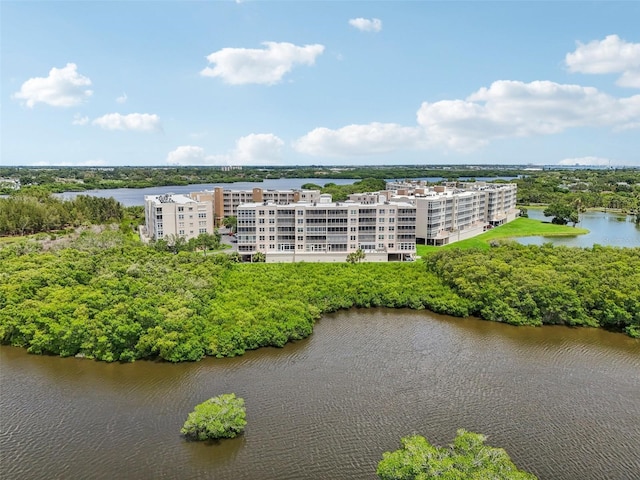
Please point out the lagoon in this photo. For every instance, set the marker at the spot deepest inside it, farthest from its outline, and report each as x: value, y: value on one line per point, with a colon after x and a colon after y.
x: 562, y: 401
x: 607, y: 229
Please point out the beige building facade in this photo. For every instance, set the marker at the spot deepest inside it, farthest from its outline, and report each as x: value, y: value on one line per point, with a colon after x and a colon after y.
x: 456, y: 211
x: 327, y: 231
x: 169, y: 216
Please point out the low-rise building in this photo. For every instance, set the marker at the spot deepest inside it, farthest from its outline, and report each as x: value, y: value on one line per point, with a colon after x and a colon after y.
x: 226, y: 201
x: 169, y: 216
x: 326, y: 231
x: 456, y: 211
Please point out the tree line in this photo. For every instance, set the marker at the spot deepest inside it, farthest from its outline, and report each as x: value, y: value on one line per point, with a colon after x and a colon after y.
x: 26, y: 213
x: 536, y: 285
x: 110, y: 298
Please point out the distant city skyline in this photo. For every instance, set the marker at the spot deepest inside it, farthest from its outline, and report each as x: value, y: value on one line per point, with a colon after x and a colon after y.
x: 164, y: 83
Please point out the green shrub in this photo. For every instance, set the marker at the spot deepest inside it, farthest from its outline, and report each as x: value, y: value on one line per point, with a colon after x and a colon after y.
x: 219, y: 417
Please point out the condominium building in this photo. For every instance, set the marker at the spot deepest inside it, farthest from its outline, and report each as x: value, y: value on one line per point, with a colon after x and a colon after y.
x: 170, y: 216
x: 226, y: 201
x: 456, y: 211
x: 327, y: 231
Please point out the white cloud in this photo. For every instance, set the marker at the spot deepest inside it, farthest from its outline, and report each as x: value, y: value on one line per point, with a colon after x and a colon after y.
x: 190, y: 155
x: 64, y: 87
x: 370, y: 139
x: 503, y: 110
x: 78, y: 119
x: 588, y: 161
x: 240, y: 66
x: 258, y: 148
x: 517, y: 109
x: 140, y: 122
x: 366, y: 24
x: 611, y: 55
x: 253, y: 149
x: 122, y: 98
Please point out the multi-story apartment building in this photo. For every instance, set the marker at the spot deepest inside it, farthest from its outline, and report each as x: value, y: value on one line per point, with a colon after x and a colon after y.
x: 326, y: 231
x: 226, y: 201
x: 456, y: 211
x: 170, y: 216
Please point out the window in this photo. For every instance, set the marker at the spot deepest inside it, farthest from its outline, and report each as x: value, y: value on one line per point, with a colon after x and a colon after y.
x: 380, y: 237
x: 261, y: 238
x: 353, y: 238
x: 392, y: 220
x: 300, y: 238
x: 381, y: 246
x: 272, y: 238
x: 180, y: 232
x: 381, y: 229
x: 354, y: 212
x: 181, y: 216
x: 272, y: 229
x: 272, y: 220
x: 181, y: 209
x: 272, y: 212
x: 202, y: 230
x: 261, y: 229
x: 392, y: 228
x: 202, y: 215
x: 354, y: 229
x: 261, y: 220
x: 260, y: 212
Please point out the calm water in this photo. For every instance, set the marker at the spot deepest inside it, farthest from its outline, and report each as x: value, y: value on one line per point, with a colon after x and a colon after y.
x: 565, y: 403
x: 604, y: 229
x: 135, y: 196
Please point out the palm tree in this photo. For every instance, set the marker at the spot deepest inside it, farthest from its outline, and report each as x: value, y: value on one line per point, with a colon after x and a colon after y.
x: 231, y: 223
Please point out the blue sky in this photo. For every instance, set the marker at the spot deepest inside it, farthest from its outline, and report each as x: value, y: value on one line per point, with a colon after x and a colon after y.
x: 319, y: 82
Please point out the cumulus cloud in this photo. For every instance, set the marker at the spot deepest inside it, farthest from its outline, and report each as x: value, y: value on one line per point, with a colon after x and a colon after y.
x: 503, y: 110
x: 122, y: 98
x: 63, y: 87
x: 240, y: 66
x: 587, y: 161
x: 366, y: 24
x: 370, y: 139
x: 78, y: 119
x: 139, y: 122
x: 518, y: 109
x: 611, y: 55
x: 260, y: 148
x: 253, y: 149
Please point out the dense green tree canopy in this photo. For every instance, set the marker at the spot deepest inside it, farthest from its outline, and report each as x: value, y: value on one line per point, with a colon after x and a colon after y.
x: 223, y: 416
x: 532, y: 285
x: 467, y: 458
x: 108, y: 297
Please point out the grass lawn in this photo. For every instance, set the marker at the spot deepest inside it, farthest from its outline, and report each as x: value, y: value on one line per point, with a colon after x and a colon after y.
x: 520, y: 227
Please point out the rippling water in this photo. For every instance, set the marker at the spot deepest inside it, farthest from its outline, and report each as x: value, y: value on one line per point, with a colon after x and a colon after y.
x: 565, y: 403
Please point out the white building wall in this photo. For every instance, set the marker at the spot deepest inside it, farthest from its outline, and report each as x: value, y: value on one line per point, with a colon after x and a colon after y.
x: 168, y: 216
